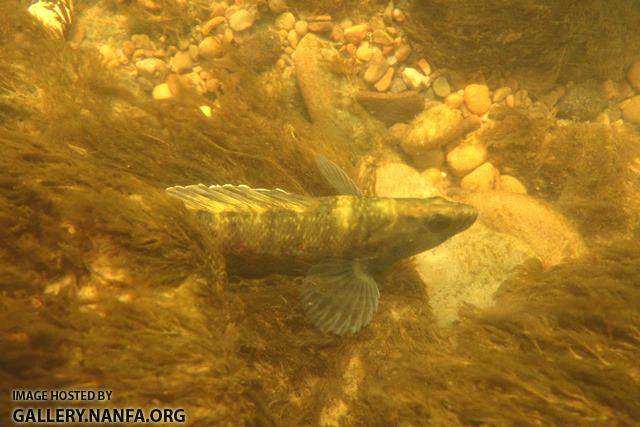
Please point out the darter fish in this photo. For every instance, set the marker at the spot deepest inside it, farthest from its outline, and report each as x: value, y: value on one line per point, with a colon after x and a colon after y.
x: 338, y: 243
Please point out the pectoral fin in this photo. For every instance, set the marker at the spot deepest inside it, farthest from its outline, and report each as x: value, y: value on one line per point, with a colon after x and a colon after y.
x: 340, y: 296
x: 336, y: 177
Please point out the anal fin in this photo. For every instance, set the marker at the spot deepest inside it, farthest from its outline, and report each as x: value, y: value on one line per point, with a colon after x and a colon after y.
x: 340, y: 296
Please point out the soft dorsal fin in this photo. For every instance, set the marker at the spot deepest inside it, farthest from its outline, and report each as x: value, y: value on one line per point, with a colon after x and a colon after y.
x: 336, y: 177
x: 220, y: 198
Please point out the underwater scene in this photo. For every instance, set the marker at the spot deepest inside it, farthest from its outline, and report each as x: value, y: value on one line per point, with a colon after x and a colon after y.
x: 320, y: 213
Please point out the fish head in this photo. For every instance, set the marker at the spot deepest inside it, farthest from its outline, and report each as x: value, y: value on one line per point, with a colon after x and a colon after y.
x: 416, y: 225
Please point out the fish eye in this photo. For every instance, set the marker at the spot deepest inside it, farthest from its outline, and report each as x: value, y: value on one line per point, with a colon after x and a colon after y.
x: 438, y: 222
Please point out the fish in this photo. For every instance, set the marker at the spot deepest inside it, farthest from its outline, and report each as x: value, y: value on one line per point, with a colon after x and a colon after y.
x: 338, y: 244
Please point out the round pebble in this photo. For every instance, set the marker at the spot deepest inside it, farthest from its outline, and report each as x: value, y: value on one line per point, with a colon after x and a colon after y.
x: 241, y: 20
x: 210, y: 47
x: 631, y: 110
x: 466, y: 157
x: 286, y: 21
x: 181, y: 62
x: 454, y: 100
x: 364, y: 52
x: 301, y: 28
x: 441, y: 87
x: 356, y: 33
x: 633, y: 75
x: 148, y: 66
x: 476, y: 98
x: 377, y: 67
x: 161, y: 91
x: 402, y: 52
x: 481, y: 179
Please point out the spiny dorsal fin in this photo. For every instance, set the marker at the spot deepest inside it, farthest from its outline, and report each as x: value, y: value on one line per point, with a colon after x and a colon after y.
x: 336, y: 177
x: 219, y: 198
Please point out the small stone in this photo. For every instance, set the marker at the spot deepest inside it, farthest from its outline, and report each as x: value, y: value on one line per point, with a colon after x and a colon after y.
x: 396, y: 134
x: 398, y: 16
x: 212, y: 24
x: 107, y: 52
x: 241, y: 19
x: 482, y: 178
x: 381, y: 37
x: 351, y: 49
x: 610, y: 89
x: 441, y: 87
x: 476, y: 98
x: 337, y: 34
x: 385, y: 81
x: 501, y: 93
x: 399, y: 180
x: 218, y: 9
x: 161, y: 92
x: 424, y: 65
x: 466, y: 157
x: 364, y: 52
x: 356, y: 33
x: 212, y: 85
x: 149, y: 66
x: 511, y: 184
x: 286, y: 21
x: 193, y: 52
x: 320, y: 26
x: 346, y: 23
x: 301, y: 28
x: 454, y: 100
x: 128, y: 47
x: 631, y: 110
x: 292, y: 38
x: 633, y: 75
x: 413, y: 78
x: 397, y: 85
x: 181, y: 62
x: 510, y: 101
x: 278, y: 6
x: 227, y: 36
x: 402, y: 52
x: 210, y: 47
x: 377, y: 23
x: 377, y: 67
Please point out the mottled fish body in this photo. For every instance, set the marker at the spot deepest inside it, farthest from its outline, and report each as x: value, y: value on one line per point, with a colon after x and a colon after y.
x: 337, y: 242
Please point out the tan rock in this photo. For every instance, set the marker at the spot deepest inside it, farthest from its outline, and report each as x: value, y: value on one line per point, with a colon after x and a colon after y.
x: 241, y: 20
x: 424, y: 66
x: 631, y: 110
x: 161, y: 92
x: 356, y: 33
x: 433, y: 128
x: 466, y: 157
x: 285, y: 21
x: 551, y: 236
x: 378, y: 66
x: 398, y: 16
x: 381, y: 37
x: 385, y: 81
x: 320, y: 26
x: 181, y: 62
x: 364, y: 52
x: 278, y: 6
x: 218, y: 9
x: 633, y: 75
x: 483, y: 178
x: 414, y: 78
x: 511, y: 184
x: 476, y: 98
x: 212, y: 24
x: 210, y: 47
x: 400, y: 180
x: 301, y: 27
x: 148, y: 67
x: 454, y: 100
x: 501, y: 93
x: 402, y: 52
x: 337, y: 33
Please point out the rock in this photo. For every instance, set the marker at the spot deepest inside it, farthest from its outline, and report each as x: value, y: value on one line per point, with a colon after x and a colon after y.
x: 260, y: 51
x: 454, y: 100
x: 424, y: 65
x: 483, y: 178
x: 477, y: 99
x: 400, y: 180
x: 398, y: 85
x: 434, y: 128
x: 278, y: 6
x: 211, y: 24
x: 468, y: 269
x: 631, y: 110
x: 206, y: 110
x: 396, y: 134
x: 501, y: 93
x: 364, y: 52
x: 391, y: 108
x: 241, y: 20
x: 161, y: 91
x: 377, y: 67
x: 285, y: 21
x: 466, y: 157
x: 218, y: 9
x: 210, y: 47
x: 510, y: 184
x: 633, y: 75
x: 413, y: 78
x: 320, y: 26
x: 441, y: 87
x: 181, y: 62
x: 402, y: 52
x: 337, y: 34
x: 547, y: 232
x: 381, y: 37
x: 429, y: 159
x: 301, y: 28
x: 582, y: 101
x: 356, y: 33
x: 148, y: 67
x: 398, y: 16
x: 292, y: 38
x: 385, y: 81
